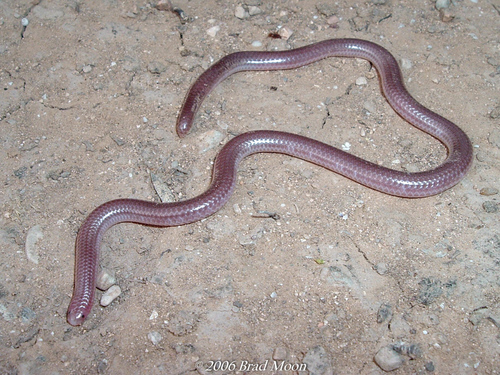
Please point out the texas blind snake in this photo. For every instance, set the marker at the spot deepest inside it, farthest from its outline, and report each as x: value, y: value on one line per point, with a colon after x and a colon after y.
x: 397, y: 183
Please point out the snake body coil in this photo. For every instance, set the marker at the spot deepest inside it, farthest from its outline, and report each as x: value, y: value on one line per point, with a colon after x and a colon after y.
x: 411, y: 185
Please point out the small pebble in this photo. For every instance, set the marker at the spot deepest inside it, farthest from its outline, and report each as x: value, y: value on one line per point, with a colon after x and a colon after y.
x: 87, y: 69
x: 213, y: 31
x: 384, y: 313
x: 333, y: 20
x: 429, y: 366
x: 155, y: 337
x: 445, y: 15
x: 240, y: 12
x: 236, y: 209
x: 256, y: 43
x: 162, y: 189
x: 253, y: 10
x: 285, y: 33
x: 34, y: 234
x: 381, y: 268
x: 406, y: 63
x: 279, y: 354
x: 164, y: 5
x: 105, y: 280
x: 110, y: 295
x: 361, y: 81
x: 491, y: 207
x: 488, y: 191
x: 440, y: 4
x: 346, y: 146
x: 27, y: 314
x: 25, y: 22
x: 369, y: 106
x: 388, y: 360
x: 274, y: 295
x: 495, y: 112
x: 411, y: 350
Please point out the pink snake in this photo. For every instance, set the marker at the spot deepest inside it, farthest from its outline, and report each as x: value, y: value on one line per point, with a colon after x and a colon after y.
x: 397, y: 183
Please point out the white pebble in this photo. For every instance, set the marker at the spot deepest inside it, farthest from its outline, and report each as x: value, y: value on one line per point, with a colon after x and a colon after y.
x: 236, y: 209
x: 274, y: 295
x: 153, y: 315
x: 25, y: 22
x: 253, y: 10
x: 105, y: 280
x: 256, y: 43
x: 240, y: 12
x: 34, y: 234
x: 155, y: 337
x: 361, y: 81
x: 346, y: 146
x: 406, y: 63
x: 285, y: 33
x: 110, y: 295
x: 213, y: 31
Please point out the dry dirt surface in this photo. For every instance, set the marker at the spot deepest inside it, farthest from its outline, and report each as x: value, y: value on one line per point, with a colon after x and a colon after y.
x: 303, y: 271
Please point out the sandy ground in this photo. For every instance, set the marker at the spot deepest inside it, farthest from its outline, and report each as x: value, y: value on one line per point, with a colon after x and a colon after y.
x: 336, y: 273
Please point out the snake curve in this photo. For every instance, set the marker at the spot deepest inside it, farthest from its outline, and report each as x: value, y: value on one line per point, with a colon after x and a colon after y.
x: 397, y: 183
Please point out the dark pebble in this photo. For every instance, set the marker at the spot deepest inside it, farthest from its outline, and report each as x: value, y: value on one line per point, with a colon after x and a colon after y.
x: 429, y: 366
x: 490, y: 207
x: 384, y: 312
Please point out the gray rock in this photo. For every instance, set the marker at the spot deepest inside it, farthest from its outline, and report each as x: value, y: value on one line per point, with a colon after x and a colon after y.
x: 440, y: 4
x: 280, y: 354
x: 381, y: 268
x: 491, y: 207
x: 495, y: 112
x: 388, y: 360
x: 253, y: 10
x: 27, y: 314
x: 384, y: 313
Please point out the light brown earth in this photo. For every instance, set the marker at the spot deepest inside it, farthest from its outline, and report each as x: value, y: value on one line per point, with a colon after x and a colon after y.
x: 90, y: 94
